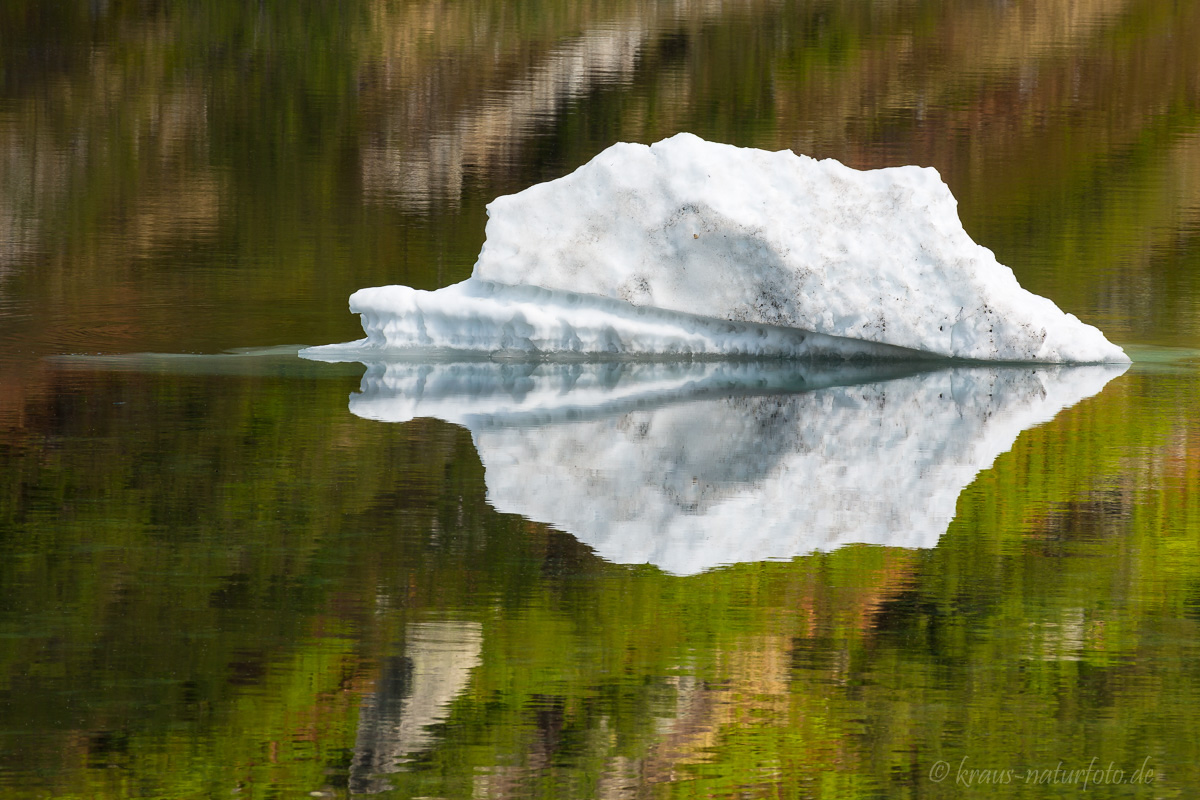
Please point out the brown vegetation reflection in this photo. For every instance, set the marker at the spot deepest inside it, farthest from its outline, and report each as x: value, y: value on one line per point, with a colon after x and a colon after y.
x: 201, y: 176
x: 200, y: 160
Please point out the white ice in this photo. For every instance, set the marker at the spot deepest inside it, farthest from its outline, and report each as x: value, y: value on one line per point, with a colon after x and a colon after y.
x: 478, y: 316
x: 689, y: 466
x: 645, y: 250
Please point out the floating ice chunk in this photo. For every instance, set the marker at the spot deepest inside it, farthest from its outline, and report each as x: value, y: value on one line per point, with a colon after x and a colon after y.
x: 688, y: 248
x: 789, y: 461
x: 780, y: 239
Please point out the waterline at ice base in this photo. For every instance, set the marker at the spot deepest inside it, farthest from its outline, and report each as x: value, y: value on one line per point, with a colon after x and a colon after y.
x: 688, y: 248
x: 692, y: 354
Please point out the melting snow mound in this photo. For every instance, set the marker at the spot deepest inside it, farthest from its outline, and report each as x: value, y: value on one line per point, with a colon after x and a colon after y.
x: 649, y: 249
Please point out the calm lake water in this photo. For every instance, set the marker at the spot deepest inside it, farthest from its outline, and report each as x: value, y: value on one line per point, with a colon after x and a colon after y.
x: 226, y: 571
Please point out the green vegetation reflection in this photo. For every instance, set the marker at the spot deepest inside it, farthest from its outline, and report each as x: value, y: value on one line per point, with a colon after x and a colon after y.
x: 226, y: 603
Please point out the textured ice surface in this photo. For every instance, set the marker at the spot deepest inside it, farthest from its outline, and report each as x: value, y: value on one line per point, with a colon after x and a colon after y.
x: 645, y: 248
x: 693, y: 465
x: 745, y: 234
x: 483, y: 317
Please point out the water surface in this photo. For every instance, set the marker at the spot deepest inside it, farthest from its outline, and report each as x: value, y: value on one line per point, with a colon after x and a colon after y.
x: 241, y: 574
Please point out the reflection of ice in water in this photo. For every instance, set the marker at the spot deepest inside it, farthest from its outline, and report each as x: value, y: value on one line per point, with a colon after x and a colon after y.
x: 414, y: 691
x: 693, y: 465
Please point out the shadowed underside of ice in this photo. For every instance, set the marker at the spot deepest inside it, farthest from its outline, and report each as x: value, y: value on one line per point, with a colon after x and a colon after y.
x: 693, y: 465
x: 645, y: 249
